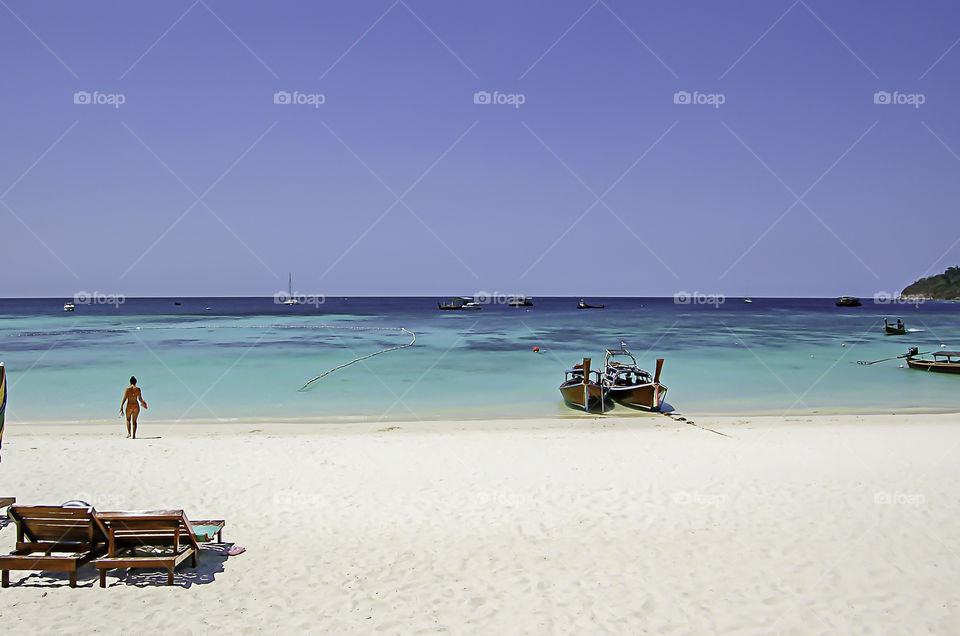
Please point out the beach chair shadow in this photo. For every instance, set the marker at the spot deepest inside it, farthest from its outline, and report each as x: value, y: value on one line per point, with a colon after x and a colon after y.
x: 210, y: 564
x: 86, y: 577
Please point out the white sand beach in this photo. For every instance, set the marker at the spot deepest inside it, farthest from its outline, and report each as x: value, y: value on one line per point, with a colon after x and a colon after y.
x: 835, y: 524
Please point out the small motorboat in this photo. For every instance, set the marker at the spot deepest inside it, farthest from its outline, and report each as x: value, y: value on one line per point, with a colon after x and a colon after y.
x: 942, y: 361
x: 894, y: 330
x: 583, y: 305
x: 68, y: 306
x: 520, y: 301
x: 583, y: 388
x: 628, y: 384
x: 849, y: 301
x: 459, y: 303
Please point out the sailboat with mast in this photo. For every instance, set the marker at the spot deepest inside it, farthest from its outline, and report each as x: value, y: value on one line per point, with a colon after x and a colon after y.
x: 290, y: 299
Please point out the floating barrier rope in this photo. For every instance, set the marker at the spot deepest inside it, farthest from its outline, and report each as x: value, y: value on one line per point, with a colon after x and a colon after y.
x: 413, y: 337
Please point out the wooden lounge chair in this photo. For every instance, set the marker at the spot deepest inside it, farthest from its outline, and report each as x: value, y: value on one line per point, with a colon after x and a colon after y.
x: 7, y: 501
x: 148, y: 539
x: 42, y: 531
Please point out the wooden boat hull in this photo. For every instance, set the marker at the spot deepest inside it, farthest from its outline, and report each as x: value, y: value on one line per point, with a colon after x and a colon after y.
x: 645, y: 396
x: 893, y: 331
x: 585, y: 396
x: 936, y: 367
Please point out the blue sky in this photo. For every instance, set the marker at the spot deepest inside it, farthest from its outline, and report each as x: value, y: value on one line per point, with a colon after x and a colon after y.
x: 399, y: 183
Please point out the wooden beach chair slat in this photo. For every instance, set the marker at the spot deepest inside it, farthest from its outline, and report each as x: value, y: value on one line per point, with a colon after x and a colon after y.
x: 42, y: 531
x: 165, y: 535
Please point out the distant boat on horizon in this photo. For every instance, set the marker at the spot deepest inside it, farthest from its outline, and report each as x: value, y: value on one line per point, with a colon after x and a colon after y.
x: 849, y: 301
x: 459, y: 303
x: 290, y: 299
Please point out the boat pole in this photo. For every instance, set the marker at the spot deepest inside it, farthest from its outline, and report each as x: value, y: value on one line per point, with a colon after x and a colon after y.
x: 656, y: 383
x: 586, y: 389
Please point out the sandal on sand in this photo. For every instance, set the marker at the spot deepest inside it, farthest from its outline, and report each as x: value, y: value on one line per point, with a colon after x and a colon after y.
x: 234, y: 550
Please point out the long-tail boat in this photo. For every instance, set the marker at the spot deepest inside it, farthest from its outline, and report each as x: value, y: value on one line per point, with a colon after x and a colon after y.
x: 459, y: 303
x: 894, y: 330
x: 583, y: 388
x: 848, y: 301
x: 584, y: 305
x: 942, y: 361
x: 628, y: 384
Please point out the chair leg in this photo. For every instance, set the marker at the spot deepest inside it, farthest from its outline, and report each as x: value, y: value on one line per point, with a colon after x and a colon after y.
x: 6, y: 579
x: 103, y: 578
x: 193, y: 560
x: 170, y: 575
x: 73, y: 579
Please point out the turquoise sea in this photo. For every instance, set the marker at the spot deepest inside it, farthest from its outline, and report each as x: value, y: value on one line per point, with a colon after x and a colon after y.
x: 246, y: 358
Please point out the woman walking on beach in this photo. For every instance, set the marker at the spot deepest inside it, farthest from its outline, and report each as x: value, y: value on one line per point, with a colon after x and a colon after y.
x: 133, y: 399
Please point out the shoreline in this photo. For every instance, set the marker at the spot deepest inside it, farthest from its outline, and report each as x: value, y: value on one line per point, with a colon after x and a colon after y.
x: 576, y: 422
x: 360, y: 421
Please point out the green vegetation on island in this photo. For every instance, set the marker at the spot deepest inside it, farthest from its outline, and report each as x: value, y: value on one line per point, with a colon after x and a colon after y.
x: 945, y: 286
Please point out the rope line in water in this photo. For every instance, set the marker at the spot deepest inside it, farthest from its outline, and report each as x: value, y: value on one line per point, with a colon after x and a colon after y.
x: 413, y: 339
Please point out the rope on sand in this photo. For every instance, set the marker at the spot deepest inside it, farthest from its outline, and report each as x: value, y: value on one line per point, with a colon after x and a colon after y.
x: 692, y: 423
x: 413, y: 339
